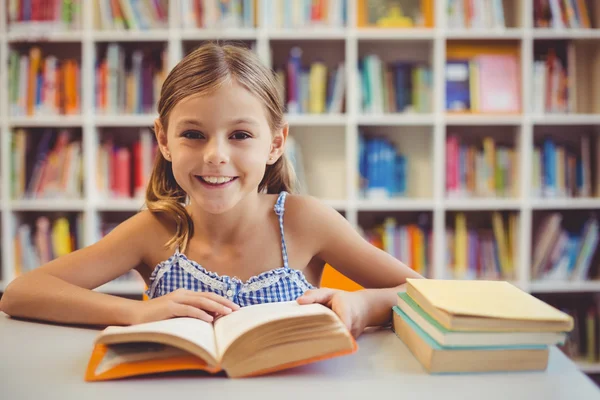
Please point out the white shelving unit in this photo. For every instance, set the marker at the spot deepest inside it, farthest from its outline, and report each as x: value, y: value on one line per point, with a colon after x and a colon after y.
x: 334, y: 137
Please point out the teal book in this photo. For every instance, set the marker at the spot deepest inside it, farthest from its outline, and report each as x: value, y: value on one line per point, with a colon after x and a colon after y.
x: 436, y: 358
x: 449, y: 338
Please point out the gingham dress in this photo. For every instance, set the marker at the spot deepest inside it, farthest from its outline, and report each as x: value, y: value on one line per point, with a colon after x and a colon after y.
x: 280, y: 284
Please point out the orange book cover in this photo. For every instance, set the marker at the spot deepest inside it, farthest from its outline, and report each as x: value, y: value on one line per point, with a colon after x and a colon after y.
x: 254, y: 340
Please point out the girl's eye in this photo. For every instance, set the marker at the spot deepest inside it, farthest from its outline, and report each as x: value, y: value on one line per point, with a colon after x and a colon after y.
x: 240, y: 135
x: 191, y: 135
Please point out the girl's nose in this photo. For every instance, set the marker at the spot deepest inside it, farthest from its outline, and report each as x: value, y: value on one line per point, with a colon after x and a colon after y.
x: 216, y: 153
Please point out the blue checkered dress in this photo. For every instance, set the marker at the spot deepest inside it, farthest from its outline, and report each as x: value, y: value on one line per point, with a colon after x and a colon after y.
x: 280, y: 284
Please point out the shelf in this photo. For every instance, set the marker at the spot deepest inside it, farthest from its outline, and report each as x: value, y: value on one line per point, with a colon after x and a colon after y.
x: 143, y: 120
x: 315, y: 119
x: 308, y: 34
x: 480, y: 119
x: 566, y: 119
x: 564, y: 287
x: 395, y: 34
x: 396, y: 119
x: 478, y: 34
x: 46, y: 121
x: 567, y: 203
x: 210, y: 34
x: 47, y: 205
x: 481, y: 204
x: 154, y: 35
x: 550, y: 33
x: 395, y: 205
x: 120, y: 205
x: 123, y: 287
x: 44, y: 36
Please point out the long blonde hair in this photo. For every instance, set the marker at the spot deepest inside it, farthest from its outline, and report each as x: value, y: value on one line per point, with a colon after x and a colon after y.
x: 200, y: 72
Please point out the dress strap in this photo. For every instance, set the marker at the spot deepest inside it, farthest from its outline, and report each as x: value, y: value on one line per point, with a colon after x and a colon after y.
x: 279, y: 210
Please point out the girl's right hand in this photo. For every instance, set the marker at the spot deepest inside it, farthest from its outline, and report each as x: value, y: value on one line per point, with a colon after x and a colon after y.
x: 184, y: 303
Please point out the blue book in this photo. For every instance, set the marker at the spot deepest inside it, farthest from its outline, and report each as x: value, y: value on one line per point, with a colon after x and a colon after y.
x: 438, y: 359
x: 458, y: 95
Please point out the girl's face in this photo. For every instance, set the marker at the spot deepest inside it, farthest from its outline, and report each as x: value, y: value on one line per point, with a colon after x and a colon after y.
x: 219, y: 145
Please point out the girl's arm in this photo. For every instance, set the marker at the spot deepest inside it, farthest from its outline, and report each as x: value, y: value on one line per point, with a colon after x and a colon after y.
x: 59, y: 291
x: 337, y: 243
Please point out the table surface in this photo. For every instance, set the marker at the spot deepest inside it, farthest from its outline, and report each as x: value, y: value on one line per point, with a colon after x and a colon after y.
x: 47, y: 361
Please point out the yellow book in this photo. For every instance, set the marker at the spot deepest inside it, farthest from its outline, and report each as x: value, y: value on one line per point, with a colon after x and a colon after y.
x: 460, y: 246
x: 318, y: 83
x: 502, y: 241
x: 485, y: 306
x: 489, y: 151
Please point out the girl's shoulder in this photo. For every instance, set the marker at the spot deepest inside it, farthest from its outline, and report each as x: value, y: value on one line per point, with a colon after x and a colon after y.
x: 150, y: 228
x: 308, y: 216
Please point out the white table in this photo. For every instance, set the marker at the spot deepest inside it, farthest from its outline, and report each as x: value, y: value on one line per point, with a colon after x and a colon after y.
x: 46, y: 361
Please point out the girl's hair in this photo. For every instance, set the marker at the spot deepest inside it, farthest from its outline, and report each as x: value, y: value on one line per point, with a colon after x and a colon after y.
x: 201, y: 72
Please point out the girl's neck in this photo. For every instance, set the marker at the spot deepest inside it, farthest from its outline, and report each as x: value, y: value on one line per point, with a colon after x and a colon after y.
x: 230, y: 227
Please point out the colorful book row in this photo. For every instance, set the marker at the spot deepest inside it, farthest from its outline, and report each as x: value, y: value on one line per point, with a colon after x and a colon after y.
x: 131, y: 14
x: 123, y: 171
x: 43, y: 85
x: 483, y: 253
x: 394, y: 87
x: 48, y: 165
x: 313, y: 89
x: 487, y: 170
x: 129, y: 83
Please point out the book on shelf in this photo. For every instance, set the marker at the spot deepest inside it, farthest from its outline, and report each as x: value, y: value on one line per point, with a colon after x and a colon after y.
x: 237, y: 14
x: 488, y: 169
x: 50, y: 169
x: 254, y: 340
x: 300, y: 15
x: 482, y: 252
x: 562, y: 168
x: 311, y: 89
x: 411, y: 243
x: 470, y: 14
x: 42, y: 84
x: 123, y: 170
x: 483, y: 83
x: 43, y: 17
x: 563, y: 76
x: 129, y: 82
x: 561, y: 14
x: 394, y: 87
x: 560, y: 254
x: 480, y: 326
x: 45, y: 239
x: 132, y: 15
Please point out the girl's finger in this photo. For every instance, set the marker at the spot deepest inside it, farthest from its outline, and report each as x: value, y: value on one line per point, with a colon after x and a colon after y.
x: 184, y: 310
x: 207, y: 304
x: 216, y: 298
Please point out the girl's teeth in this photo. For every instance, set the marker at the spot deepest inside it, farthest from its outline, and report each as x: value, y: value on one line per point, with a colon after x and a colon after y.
x: 217, y: 179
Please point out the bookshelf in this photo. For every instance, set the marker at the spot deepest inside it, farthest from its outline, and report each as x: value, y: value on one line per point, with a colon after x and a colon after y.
x: 331, y: 140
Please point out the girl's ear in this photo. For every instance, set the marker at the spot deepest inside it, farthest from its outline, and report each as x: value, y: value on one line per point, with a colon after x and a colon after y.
x: 161, y: 138
x: 278, y: 144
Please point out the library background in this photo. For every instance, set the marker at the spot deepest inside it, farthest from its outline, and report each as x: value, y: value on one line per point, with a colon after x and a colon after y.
x: 461, y: 136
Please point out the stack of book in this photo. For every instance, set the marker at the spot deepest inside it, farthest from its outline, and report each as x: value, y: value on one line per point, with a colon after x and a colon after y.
x: 454, y: 326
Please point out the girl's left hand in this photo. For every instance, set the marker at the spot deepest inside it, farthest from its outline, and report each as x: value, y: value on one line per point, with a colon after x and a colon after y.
x: 351, y: 307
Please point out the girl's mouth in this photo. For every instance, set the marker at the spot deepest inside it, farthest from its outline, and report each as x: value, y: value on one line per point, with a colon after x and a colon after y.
x: 216, y: 181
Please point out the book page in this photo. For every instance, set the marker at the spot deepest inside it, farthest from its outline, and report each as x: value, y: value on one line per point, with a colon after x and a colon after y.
x: 234, y: 325
x: 193, y: 330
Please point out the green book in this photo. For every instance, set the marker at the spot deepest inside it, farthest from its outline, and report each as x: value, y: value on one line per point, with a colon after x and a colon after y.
x: 457, y: 339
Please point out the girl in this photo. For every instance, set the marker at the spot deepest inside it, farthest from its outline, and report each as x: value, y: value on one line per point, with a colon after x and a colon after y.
x: 214, y: 237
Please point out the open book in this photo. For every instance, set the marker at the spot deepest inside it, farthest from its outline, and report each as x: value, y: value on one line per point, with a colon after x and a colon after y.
x: 254, y: 340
